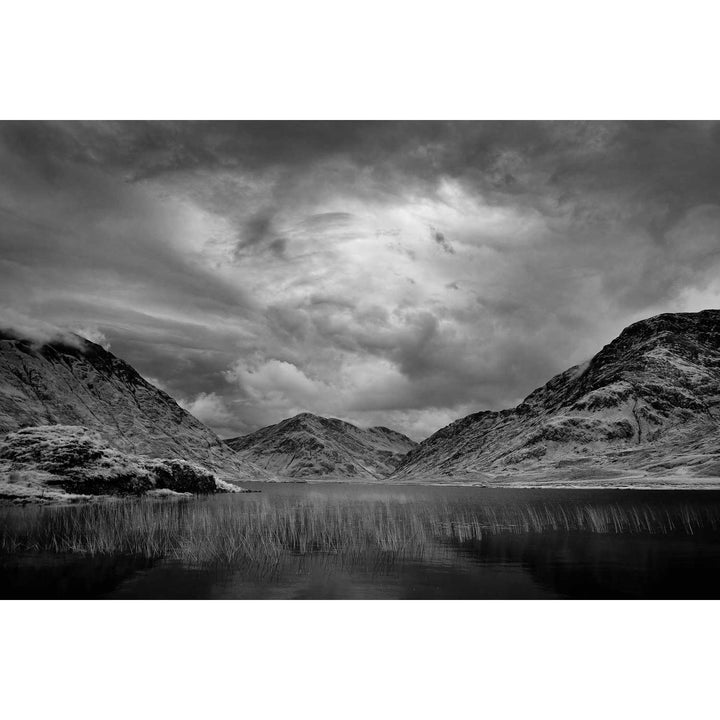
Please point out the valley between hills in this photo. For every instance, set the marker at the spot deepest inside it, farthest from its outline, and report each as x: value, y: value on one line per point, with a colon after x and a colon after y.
x: 79, y: 424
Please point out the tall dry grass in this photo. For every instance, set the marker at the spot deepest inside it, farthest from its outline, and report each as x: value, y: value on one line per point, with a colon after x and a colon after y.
x: 262, y: 530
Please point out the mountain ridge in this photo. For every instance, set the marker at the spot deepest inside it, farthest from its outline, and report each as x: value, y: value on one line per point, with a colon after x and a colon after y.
x: 312, y: 446
x: 647, y: 403
x: 646, y: 407
x: 72, y: 381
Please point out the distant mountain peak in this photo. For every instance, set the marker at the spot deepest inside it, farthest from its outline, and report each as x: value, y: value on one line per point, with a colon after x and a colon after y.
x: 304, y: 416
x: 312, y: 446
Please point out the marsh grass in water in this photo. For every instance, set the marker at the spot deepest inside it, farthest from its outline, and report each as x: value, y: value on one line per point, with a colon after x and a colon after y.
x: 261, y: 531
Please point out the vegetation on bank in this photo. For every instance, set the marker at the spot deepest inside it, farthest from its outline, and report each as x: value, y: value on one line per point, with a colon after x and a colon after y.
x: 71, y: 463
x: 253, y: 529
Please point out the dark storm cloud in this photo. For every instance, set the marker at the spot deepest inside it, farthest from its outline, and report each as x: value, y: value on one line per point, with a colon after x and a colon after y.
x: 257, y: 268
x: 82, y: 226
x: 259, y: 235
x: 501, y: 154
x: 441, y: 240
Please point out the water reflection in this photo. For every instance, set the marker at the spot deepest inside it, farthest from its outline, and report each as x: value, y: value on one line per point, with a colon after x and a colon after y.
x: 345, y: 541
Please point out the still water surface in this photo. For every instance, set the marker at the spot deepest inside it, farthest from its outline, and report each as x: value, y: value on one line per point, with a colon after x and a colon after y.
x: 369, y: 541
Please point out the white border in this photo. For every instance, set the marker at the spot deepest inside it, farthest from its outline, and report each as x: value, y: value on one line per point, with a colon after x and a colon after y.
x: 524, y: 59
x: 386, y: 59
x: 384, y: 659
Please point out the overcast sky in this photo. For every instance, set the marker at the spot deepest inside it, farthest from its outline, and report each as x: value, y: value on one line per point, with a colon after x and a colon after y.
x: 402, y: 274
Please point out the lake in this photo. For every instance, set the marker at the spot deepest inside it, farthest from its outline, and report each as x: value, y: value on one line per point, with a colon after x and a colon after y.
x: 338, y: 540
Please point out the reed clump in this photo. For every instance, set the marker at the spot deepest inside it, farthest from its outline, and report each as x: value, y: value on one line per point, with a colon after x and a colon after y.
x: 259, y: 530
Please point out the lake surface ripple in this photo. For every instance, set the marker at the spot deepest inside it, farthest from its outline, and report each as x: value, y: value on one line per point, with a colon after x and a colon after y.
x: 338, y: 540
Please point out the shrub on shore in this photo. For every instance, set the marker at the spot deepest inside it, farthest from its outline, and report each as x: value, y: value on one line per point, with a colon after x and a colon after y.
x: 49, y: 462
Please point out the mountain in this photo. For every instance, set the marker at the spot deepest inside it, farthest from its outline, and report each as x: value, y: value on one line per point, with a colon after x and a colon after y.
x: 72, y: 381
x: 310, y: 446
x: 646, y: 406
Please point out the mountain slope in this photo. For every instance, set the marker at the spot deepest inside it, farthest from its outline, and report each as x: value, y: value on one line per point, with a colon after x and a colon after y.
x: 648, y: 404
x: 72, y: 381
x: 312, y: 446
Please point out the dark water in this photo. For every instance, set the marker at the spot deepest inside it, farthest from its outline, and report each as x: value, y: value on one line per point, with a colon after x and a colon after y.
x: 360, y: 541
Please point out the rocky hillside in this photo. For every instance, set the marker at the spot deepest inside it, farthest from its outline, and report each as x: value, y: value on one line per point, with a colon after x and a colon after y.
x: 76, y: 382
x: 647, y: 405
x: 309, y: 446
x: 51, y: 463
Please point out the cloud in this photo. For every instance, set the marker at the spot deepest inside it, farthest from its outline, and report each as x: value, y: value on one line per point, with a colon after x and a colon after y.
x: 259, y: 269
x: 259, y: 235
x: 210, y: 409
x: 277, y: 381
x: 94, y: 335
x: 34, y: 329
x: 441, y: 240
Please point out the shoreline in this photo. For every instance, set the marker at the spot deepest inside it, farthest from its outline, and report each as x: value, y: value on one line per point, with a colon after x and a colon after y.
x: 640, y: 484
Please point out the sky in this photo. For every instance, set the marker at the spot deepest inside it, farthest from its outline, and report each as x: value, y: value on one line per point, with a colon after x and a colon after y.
x: 387, y: 273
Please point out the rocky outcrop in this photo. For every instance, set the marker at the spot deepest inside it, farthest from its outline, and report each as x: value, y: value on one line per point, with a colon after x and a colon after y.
x: 71, y: 381
x: 310, y: 446
x: 647, y: 404
x: 58, y: 462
